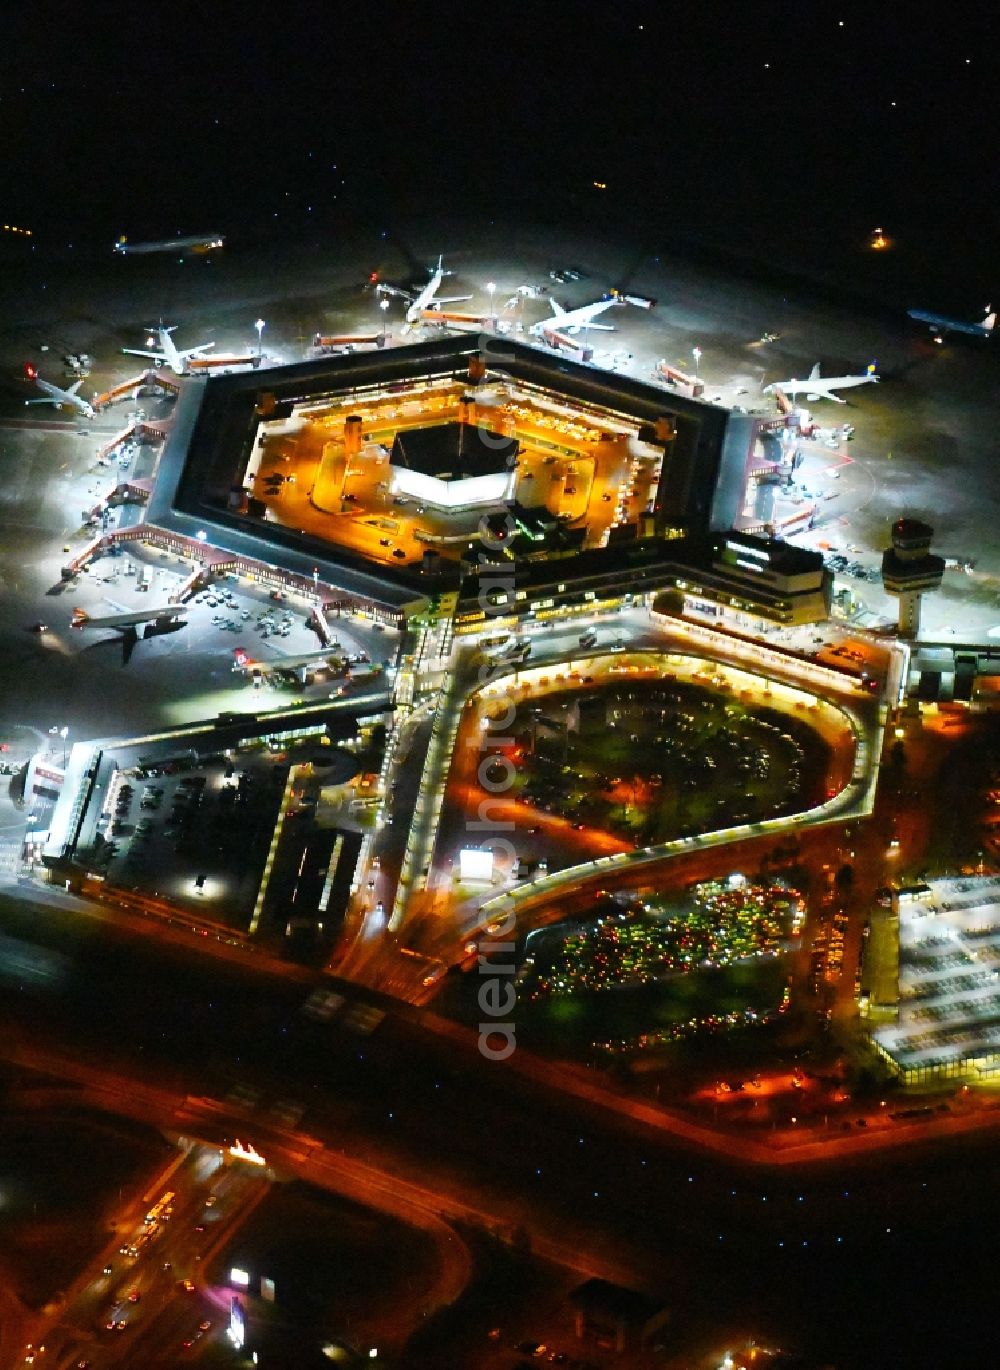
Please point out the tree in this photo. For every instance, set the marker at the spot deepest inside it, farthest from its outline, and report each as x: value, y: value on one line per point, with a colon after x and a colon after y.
x: 844, y: 879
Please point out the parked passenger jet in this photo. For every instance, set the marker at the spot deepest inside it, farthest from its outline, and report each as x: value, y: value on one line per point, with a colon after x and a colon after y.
x: 322, y: 660
x: 71, y: 398
x: 818, y: 388
x: 175, y: 358
x: 941, y: 325
x: 159, y: 617
x: 426, y: 298
x: 572, y: 320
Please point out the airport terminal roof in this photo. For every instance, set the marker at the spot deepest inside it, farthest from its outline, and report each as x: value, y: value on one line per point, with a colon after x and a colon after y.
x: 601, y: 1298
x: 784, y: 558
x: 217, y: 419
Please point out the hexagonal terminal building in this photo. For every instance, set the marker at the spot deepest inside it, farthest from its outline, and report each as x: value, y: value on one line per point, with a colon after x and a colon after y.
x: 383, y: 476
x: 909, y: 569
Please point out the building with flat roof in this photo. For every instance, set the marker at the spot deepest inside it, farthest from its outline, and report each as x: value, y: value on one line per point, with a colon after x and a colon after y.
x: 193, y: 817
x: 746, y: 576
x: 613, y: 1315
x: 734, y: 575
x: 453, y: 465
x: 406, y: 439
x: 945, y: 1022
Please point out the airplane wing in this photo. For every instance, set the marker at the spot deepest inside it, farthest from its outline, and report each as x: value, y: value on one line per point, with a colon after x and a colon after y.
x: 824, y: 394
x: 129, y: 639
x: 74, y: 387
x: 135, y: 352
x: 195, y: 351
x: 557, y: 309
x: 381, y: 289
x: 45, y: 399
x: 450, y: 299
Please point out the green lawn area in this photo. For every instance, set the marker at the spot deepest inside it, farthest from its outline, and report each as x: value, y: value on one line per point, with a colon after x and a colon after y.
x: 655, y: 760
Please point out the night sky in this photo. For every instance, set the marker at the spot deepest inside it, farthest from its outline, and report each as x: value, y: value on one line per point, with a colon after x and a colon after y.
x: 774, y: 125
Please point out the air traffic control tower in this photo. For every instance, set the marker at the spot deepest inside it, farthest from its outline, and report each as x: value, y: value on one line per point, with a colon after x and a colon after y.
x: 909, y: 569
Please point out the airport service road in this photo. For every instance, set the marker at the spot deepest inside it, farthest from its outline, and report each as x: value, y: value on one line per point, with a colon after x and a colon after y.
x: 559, y: 643
x: 362, y: 942
x: 439, y: 927
x: 425, y: 1109
x: 209, y: 1202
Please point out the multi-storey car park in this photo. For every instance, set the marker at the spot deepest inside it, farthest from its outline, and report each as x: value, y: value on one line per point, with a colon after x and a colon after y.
x: 929, y: 991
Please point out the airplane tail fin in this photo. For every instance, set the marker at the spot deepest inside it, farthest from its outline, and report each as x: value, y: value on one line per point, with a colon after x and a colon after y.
x: 989, y: 323
x: 814, y: 373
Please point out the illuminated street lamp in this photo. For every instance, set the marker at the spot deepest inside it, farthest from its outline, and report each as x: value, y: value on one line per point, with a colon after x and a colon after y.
x: 491, y: 287
x: 259, y: 325
x: 696, y: 353
x: 383, y: 304
x: 63, y: 733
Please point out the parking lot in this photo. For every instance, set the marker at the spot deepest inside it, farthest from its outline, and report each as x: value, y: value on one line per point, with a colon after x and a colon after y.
x: 193, y: 830
x: 227, y: 628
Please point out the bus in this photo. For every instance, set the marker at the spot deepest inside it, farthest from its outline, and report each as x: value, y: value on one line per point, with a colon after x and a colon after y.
x: 160, y: 1210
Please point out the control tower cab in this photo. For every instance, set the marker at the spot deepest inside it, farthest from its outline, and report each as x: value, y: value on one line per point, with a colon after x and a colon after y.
x: 909, y: 569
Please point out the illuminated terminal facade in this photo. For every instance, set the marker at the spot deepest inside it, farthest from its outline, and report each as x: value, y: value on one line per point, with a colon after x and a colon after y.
x: 378, y: 478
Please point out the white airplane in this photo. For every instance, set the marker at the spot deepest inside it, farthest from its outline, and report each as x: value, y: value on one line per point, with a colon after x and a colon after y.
x: 940, y: 325
x: 71, y: 398
x: 818, y: 388
x: 174, y: 357
x: 204, y: 243
x: 426, y: 298
x: 572, y: 320
x: 160, y: 617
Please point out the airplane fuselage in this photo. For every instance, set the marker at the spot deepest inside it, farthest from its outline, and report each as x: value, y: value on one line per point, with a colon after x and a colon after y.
x: 169, y: 354
x: 63, y: 397
x: 165, y: 614
x: 426, y: 297
x: 207, y: 243
x: 54, y: 394
x: 821, y: 387
x: 573, y: 320
x: 320, y: 660
x: 939, y: 324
